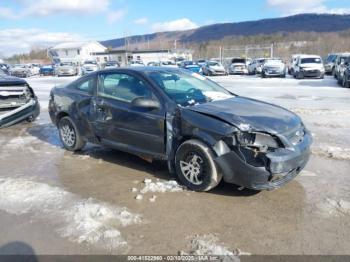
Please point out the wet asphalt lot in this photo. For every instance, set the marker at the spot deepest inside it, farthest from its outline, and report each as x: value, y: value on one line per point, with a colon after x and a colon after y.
x: 56, y: 202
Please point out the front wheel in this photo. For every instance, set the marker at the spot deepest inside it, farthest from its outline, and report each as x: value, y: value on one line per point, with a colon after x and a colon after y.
x: 195, y: 166
x: 69, y: 135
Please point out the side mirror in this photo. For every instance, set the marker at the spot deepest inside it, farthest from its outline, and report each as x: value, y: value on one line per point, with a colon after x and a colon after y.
x: 146, y: 103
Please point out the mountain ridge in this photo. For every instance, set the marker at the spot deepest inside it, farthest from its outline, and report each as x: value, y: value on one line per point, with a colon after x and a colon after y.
x: 320, y: 23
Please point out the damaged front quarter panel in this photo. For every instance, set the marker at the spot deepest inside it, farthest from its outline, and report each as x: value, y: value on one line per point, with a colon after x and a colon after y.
x: 246, y: 157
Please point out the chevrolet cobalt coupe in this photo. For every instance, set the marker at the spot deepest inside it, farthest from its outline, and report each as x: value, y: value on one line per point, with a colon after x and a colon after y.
x: 204, y: 132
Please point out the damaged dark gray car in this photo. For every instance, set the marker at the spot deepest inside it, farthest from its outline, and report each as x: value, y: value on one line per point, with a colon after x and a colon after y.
x: 204, y: 132
x: 17, y: 101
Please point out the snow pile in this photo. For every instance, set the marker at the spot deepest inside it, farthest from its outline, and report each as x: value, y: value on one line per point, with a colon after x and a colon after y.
x: 207, y: 245
x: 332, y: 152
x: 332, y: 207
x: 92, y: 222
x: 161, y: 186
x: 80, y: 220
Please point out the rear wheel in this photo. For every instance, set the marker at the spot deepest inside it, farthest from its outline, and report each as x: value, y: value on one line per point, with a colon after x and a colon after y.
x: 69, y: 135
x: 195, y: 166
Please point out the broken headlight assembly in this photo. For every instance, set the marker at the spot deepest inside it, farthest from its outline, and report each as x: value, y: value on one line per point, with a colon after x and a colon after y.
x: 261, y: 141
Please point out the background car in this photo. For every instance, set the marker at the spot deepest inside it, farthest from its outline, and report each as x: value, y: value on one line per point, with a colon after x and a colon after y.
x: 136, y: 63
x: 47, y: 70
x: 20, y: 70
x: 214, y: 68
x: 5, y: 68
x: 201, y: 62
x: 66, y: 69
x: 111, y: 64
x: 238, y: 66
x: 309, y: 66
x: 256, y: 66
x: 273, y: 68
x: 292, y: 63
x: 339, y: 65
x: 194, y: 68
x: 89, y: 66
x: 346, y: 76
x: 18, y: 101
x: 329, y: 64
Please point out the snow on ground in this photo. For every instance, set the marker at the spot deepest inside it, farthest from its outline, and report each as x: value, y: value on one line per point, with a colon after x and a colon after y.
x: 332, y: 152
x: 160, y: 186
x: 80, y: 220
x: 207, y: 245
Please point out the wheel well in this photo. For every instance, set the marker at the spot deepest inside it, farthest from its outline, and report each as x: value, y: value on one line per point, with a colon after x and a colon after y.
x: 60, y: 116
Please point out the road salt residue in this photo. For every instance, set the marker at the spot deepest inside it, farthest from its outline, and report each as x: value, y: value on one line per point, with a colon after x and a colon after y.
x: 80, y: 220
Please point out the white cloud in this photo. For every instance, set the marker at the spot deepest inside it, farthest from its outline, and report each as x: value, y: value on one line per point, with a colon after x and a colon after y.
x: 45, y: 8
x: 14, y: 41
x: 288, y: 7
x: 141, y: 21
x: 175, y: 25
x: 7, y: 13
x: 115, y: 16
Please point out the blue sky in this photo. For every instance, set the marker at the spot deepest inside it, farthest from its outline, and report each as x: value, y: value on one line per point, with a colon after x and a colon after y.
x: 27, y: 23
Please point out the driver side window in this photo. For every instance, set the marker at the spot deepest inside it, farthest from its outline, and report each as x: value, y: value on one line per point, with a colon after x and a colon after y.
x: 122, y: 87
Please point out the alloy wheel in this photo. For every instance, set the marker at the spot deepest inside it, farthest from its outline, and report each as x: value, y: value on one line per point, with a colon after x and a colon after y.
x: 68, y: 134
x: 192, y: 168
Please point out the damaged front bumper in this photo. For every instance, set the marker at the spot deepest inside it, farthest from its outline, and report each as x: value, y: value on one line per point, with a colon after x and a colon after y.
x: 30, y: 110
x: 280, y: 167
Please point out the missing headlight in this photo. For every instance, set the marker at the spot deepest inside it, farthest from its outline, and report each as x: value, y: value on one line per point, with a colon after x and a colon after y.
x: 261, y: 141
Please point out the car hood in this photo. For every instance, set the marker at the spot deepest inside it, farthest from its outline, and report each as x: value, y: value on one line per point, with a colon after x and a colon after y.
x: 237, y: 64
x: 217, y: 67
x: 312, y: 65
x: 10, y: 80
x: 249, y: 114
x: 66, y: 67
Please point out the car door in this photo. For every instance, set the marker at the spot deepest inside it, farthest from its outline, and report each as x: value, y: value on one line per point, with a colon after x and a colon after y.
x: 118, y: 123
x: 81, y: 92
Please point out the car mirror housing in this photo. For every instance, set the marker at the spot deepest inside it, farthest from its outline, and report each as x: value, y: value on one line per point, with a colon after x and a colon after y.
x: 144, y: 102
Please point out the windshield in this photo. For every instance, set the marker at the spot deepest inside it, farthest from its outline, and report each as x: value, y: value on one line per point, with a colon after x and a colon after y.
x: 239, y: 60
x: 214, y: 64
x: 66, y: 64
x: 311, y: 60
x: 273, y: 61
x: 90, y: 63
x: 188, y: 89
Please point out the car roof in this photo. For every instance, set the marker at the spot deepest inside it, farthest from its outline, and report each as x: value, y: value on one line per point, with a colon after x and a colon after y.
x: 309, y: 56
x: 143, y: 69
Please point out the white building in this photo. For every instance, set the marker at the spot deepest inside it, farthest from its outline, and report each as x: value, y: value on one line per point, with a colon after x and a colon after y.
x: 146, y: 56
x: 76, y: 52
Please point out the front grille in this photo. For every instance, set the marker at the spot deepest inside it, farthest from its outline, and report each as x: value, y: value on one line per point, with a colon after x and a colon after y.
x: 13, y: 96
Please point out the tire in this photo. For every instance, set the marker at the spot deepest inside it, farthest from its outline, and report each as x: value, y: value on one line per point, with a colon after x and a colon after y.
x: 69, y: 135
x: 345, y: 83
x: 333, y: 73
x: 197, y: 156
x: 300, y: 75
